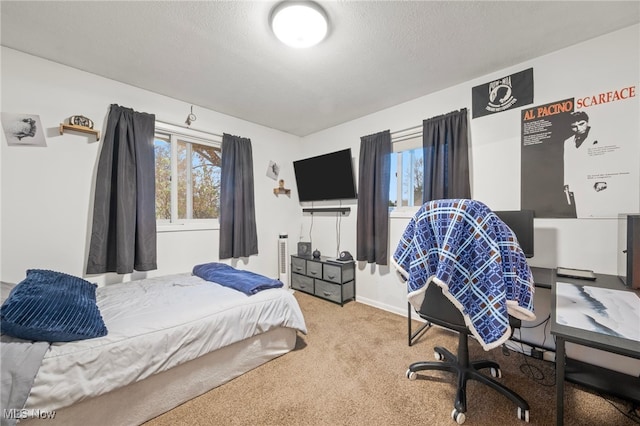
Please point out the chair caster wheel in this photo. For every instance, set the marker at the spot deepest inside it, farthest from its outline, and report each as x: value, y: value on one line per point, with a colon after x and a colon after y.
x: 458, y: 417
x: 438, y: 356
x: 496, y: 372
x: 523, y: 414
x: 411, y: 375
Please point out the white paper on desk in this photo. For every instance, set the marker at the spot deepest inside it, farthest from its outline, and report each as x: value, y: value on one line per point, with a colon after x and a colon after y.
x: 603, y: 310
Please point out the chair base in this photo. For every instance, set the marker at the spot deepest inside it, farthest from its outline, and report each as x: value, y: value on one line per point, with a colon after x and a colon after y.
x: 466, y: 370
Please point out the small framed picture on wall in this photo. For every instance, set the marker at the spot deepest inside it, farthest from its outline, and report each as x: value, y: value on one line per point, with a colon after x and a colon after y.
x: 23, y: 129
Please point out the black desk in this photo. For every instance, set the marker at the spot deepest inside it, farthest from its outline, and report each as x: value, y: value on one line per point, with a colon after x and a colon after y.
x: 608, y: 381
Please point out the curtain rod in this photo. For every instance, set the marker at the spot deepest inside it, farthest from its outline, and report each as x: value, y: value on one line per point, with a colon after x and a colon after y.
x: 401, y: 135
x: 420, y: 125
x: 407, y: 129
x: 188, y: 128
x: 405, y: 138
x: 407, y: 135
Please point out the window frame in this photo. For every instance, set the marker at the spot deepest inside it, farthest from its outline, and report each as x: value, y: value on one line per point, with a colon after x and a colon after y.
x: 404, y: 144
x: 175, y: 134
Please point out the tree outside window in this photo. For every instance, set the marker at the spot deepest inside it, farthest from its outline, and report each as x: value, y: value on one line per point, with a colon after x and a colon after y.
x: 187, y: 179
x: 407, y: 172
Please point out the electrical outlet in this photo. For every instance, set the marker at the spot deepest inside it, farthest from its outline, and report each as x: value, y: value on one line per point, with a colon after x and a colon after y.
x: 549, y: 356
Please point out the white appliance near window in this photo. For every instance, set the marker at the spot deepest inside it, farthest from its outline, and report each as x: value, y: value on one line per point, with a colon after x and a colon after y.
x: 283, y: 255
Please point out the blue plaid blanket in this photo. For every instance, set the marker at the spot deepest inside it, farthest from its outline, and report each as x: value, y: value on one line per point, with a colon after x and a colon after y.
x: 463, y: 247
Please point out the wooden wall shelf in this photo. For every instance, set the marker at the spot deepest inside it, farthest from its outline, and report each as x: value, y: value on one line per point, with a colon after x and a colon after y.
x: 283, y: 191
x: 67, y: 127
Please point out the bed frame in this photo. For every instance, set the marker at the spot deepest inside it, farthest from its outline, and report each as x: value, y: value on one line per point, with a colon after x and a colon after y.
x: 157, y: 394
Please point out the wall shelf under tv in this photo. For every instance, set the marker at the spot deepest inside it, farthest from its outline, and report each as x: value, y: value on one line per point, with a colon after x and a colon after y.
x: 343, y: 210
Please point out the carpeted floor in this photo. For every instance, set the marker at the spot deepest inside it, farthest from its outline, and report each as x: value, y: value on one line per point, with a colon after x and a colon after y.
x: 350, y: 370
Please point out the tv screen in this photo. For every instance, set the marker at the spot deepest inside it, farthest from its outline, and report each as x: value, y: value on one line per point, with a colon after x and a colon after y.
x: 521, y: 223
x: 326, y: 177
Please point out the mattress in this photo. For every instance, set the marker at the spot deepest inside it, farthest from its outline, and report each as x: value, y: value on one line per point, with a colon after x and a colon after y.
x: 156, y: 324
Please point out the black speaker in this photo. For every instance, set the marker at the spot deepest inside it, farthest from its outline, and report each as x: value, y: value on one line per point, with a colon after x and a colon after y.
x: 345, y: 256
x: 629, y: 249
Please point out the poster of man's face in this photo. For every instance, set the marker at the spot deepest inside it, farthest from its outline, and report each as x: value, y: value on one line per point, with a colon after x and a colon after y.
x: 23, y: 129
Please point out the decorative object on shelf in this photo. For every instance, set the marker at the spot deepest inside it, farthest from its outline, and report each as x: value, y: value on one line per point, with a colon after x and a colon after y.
x: 304, y: 249
x: 23, y: 129
x: 191, y: 117
x: 80, y: 123
x: 316, y: 254
x: 281, y: 189
x: 273, y: 170
x: 81, y: 120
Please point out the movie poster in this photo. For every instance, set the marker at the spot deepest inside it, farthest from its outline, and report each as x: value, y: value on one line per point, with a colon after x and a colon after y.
x: 579, y: 156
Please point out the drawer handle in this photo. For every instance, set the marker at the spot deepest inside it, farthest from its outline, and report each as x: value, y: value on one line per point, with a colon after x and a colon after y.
x: 313, y: 272
x: 326, y: 293
x: 331, y: 276
x: 298, y: 268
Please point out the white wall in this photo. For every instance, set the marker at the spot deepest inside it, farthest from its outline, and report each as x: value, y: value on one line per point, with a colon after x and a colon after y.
x: 47, y: 192
x: 598, y: 65
x: 495, y: 158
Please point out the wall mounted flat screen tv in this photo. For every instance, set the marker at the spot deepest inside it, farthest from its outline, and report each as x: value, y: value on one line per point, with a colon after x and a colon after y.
x: 326, y: 177
x: 521, y: 223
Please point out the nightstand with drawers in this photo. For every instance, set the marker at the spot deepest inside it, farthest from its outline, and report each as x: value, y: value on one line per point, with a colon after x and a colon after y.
x: 324, y: 277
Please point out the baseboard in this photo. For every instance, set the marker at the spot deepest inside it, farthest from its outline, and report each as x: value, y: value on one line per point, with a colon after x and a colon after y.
x: 384, y: 307
x: 388, y: 308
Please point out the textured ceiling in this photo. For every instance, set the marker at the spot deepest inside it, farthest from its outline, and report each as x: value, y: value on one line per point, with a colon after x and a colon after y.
x: 223, y: 56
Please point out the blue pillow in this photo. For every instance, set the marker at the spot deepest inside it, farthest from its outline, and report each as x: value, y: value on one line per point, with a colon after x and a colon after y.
x: 52, y: 306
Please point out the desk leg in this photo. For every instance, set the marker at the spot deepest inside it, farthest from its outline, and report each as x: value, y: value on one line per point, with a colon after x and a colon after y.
x: 409, y: 324
x: 560, y: 366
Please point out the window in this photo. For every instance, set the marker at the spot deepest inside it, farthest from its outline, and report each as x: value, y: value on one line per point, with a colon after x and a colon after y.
x: 407, y: 171
x: 187, y: 178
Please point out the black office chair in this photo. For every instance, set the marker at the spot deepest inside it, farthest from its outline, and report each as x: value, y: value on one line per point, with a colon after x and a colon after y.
x: 437, y: 309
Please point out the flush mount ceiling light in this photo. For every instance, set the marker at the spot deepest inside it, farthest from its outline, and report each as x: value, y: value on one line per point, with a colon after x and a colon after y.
x: 299, y: 23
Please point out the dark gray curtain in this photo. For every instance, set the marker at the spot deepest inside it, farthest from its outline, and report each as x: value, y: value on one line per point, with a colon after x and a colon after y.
x: 123, y: 235
x: 446, y: 157
x: 373, y: 198
x: 238, y: 235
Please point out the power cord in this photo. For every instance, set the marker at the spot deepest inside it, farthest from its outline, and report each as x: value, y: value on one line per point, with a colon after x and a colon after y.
x: 537, y: 375
x: 338, y: 225
x: 311, y: 226
x: 632, y: 414
x: 545, y: 322
x: 528, y: 370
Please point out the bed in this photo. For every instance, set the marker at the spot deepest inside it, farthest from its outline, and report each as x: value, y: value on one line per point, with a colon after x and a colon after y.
x: 169, y: 340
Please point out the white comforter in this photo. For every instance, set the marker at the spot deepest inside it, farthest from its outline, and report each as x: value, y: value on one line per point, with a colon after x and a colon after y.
x: 156, y: 324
